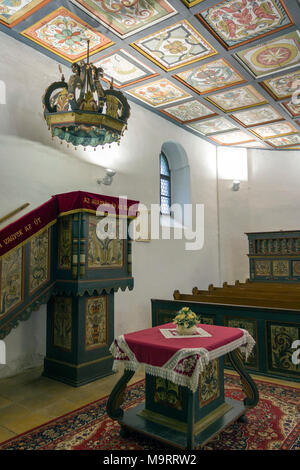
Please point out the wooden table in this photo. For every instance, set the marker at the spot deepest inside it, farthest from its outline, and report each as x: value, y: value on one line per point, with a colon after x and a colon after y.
x: 184, y: 403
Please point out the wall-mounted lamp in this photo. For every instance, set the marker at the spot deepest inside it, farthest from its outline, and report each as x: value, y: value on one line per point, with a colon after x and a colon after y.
x: 107, y: 180
x: 236, y: 185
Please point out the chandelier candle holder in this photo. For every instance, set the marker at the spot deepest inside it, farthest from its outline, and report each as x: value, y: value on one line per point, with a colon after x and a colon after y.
x: 81, y: 112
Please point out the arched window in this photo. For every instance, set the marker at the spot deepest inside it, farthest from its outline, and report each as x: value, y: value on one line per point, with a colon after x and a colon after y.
x: 165, y: 185
x: 174, y: 164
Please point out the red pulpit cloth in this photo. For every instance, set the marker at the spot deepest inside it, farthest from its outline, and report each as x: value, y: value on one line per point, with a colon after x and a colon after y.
x: 180, y: 360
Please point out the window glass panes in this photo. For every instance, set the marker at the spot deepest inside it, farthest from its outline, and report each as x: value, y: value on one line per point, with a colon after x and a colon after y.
x: 165, y: 185
x: 164, y: 167
x: 165, y: 205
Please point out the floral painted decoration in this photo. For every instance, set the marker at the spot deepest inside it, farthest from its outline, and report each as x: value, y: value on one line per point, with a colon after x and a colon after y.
x: 177, y: 45
x: 66, y: 35
x: 186, y: 318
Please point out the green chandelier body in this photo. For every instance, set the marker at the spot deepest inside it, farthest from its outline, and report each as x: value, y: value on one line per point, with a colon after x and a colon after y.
x: 81, y: 112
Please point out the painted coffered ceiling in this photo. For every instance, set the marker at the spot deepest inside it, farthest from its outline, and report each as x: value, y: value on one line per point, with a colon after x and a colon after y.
x: 225, y: 71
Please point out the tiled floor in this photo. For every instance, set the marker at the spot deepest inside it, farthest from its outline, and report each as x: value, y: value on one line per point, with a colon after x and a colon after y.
x: 28, y: 400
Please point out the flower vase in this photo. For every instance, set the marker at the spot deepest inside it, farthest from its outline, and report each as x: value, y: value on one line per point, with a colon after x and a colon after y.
x: 182, y: 330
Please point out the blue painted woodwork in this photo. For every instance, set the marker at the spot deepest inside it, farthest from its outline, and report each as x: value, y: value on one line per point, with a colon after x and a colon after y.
x: 274, y: 256
x: 274, y: 331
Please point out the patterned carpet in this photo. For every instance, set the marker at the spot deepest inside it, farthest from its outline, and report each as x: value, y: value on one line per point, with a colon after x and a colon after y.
x: 272, y: 425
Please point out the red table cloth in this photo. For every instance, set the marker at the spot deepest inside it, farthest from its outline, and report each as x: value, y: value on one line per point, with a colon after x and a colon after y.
x: 180, y: 360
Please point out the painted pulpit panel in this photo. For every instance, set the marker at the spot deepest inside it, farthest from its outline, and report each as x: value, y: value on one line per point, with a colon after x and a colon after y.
x: 62, y: 323
x: 11, y: 280
x: 39, y: 265
x: 96, y: 322
x: 65, y: 242
x: 25, y: 279
x: 107, y: 252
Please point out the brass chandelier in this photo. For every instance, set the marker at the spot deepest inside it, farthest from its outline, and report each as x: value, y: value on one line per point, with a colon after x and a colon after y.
x: 81, y: 112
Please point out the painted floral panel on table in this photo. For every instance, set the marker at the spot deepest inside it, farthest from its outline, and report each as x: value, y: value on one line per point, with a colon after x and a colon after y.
x: 167, y: 394
x: 283, y: 86
x: 235, y: 23
x: 188, y: 111
x: 127, y: 17
x: 212, y: 126
x: 239, y: 98
x: 210, y: 77
x: 124, y: 69
x: 39, y: 264
x: 11, y: 280
x: 257, y: 116
x: 14, y: 11
x: 274, y: 130
x: 62, y: 323
x: 277, y: 55
x: 285, y: 140
x: 209, y: 383
x: 108, y: 252
x: 291, y: 108
x: 96, y: 322
x: 158, y: 93
x: 66, y: 35
x: 175, y: 46
x: 232, y: 138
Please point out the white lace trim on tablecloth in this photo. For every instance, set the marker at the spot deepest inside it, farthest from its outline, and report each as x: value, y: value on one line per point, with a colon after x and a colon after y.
x: 185, y: 366
x: 171, y: 333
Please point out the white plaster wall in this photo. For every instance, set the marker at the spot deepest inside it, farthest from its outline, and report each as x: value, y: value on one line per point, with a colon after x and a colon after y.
x: 275, y: 190
x: 33, y: 168
x: 267, y: 201
x: 233, y: 212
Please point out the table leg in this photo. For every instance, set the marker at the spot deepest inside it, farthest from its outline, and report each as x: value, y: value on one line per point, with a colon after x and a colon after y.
x: 117, y: 396
x: 190, y: 421
x: 249, y: 387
